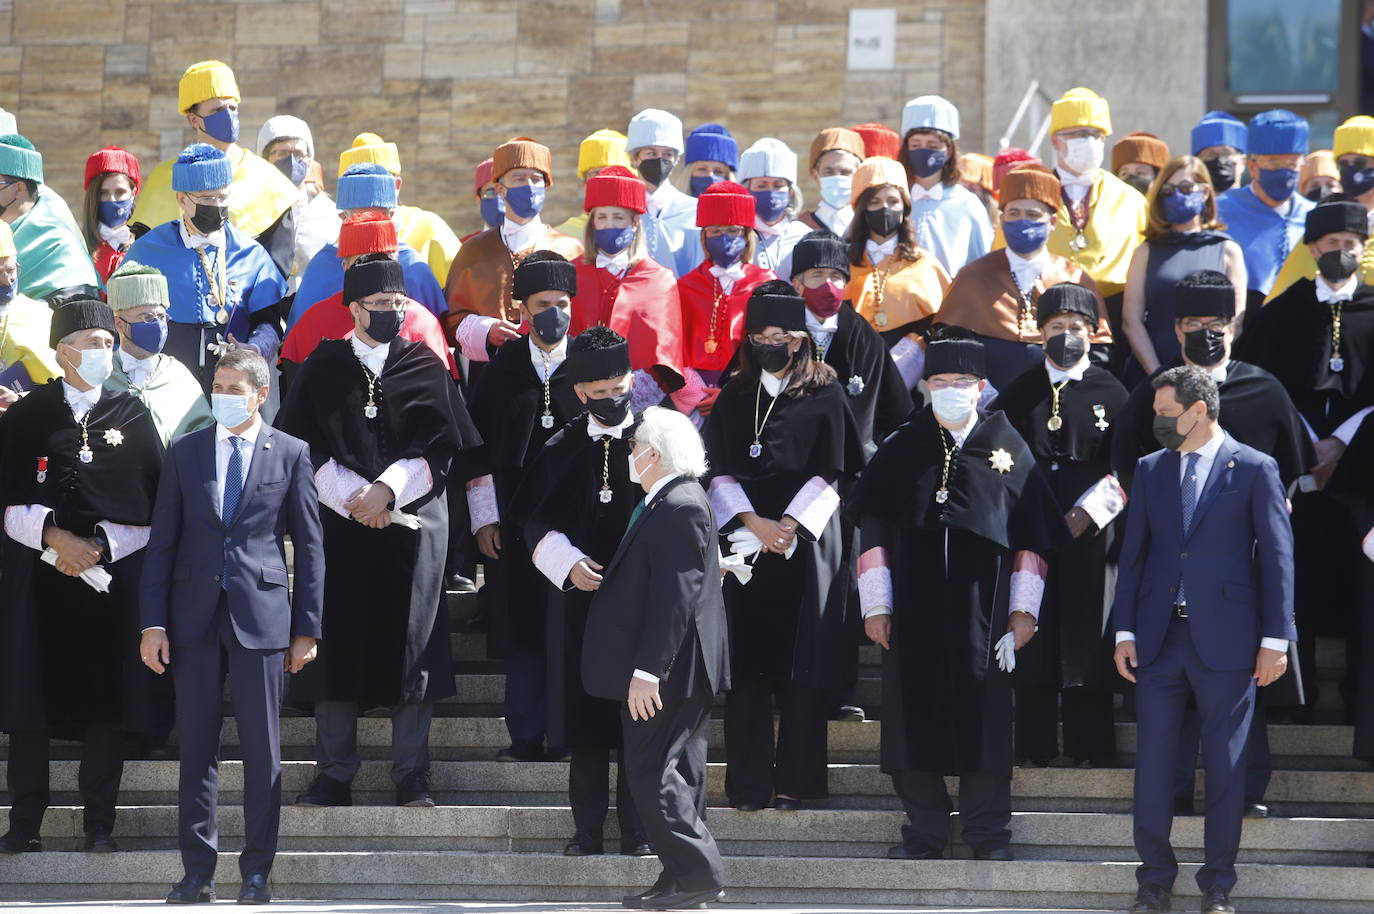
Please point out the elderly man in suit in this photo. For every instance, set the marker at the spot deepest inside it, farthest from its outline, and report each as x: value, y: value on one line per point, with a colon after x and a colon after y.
x: 215, y: 588
x: 656, y: 640
x: 1204, y: 607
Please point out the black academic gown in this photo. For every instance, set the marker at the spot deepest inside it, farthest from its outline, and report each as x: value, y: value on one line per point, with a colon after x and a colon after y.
x: 863, y: 365
x: 946, y: 704
x: 508, y: 410
x: 68, y: 654
x: 787, y: 622
x: 562, y: 493
x: 386, y: 642
x: 1075, y: 642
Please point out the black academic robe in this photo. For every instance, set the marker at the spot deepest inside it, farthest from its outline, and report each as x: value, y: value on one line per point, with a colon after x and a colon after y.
x: 68, y: 654
x: 386, y: 642
x: 1075, y: 642
x: 562, y: 492
x: 788, y: 621
x: 508, y: 410
x: 946, y: 704
x: 863, y: 365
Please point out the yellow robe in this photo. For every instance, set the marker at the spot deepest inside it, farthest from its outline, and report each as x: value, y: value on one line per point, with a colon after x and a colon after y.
x: 913, y: 290
x: 1300, y: 265
x: 259, y: 195
x: 24, y: 339
x: 575, y: 227
x: 429, y: 235
x: 1116, y: 224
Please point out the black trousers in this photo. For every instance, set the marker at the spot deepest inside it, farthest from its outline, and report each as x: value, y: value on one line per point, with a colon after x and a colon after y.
x: 754, y: 768
x: 589, y: 794
x: 656, y: 752
x: 1089, y: 727
x: 102, y: 766
x: 984, y: 809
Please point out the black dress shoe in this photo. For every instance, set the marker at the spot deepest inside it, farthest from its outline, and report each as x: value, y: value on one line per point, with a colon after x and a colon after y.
x: 413, y: 791
x: 1256, y: 811
x: 748, y: 807
x: 521, y: 752
x: 1151, y: 899
x: 255, y: 891
x: 638, y: 846
x: 852, y: 713
x: 1033, y: 763
x: 663, y: 886
x: 458, y: 583
x: 192, y: 890
x: 679, y: 900
x: 1216, y: 901
x: 100, y: 842
x: 583, y: 846
x: 787, y: 804
x: 993, y: 853
x: 17, y: 844
x: 902, y: 852
x: 325, y: 791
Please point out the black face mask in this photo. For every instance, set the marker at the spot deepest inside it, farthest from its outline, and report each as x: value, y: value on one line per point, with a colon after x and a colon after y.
x: 610, y: 411
x: 1140, y: 183
x: 655, y: 171
x: 1167, y: 433
x: 209, y: 218
x: 1318, y: 194
x: 551, y: 324
x: 383, y: 326
x: 1204, y: 347
x: 772, y: 357
x: 882, y: 222
x: 1066, y: 349
x: 1337, y: 266
x: 1223, y: 172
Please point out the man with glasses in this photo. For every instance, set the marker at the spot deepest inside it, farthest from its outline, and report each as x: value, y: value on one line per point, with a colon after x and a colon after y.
x: 384, y: 421
x: 50, y: 249
x: 222, y: 286
x: 951, y: 506
x: 26, y: 357
x: 654, y: 143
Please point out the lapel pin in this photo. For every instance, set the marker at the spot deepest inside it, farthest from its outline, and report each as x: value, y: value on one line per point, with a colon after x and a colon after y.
x: 266, y: 445
x: 1230, y: 464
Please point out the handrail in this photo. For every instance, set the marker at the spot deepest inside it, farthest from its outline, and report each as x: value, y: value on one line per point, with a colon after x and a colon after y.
x: 1039, y: 126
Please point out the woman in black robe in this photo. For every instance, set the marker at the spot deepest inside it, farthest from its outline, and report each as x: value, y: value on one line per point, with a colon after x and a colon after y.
x: 1065, y: 410
x: 782, y: 442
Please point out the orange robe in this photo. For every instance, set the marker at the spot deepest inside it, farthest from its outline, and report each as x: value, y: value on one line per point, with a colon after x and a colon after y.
x: 479, y: 280
x: 984, y: 298
x: 907, y: 290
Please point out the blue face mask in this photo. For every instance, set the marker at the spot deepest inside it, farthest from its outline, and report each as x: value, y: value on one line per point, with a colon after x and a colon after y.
x: 551, y: 324
x: 725, y: 249
x: 230, y: 410
x: 614, y: 240
x: 114, y: 213
x: 770, y: 204
x: 699, y: 183
x: 150, y: 336
x: 925, y: 162
x: 7, y: 293
x: 1180, y: 208
x: 1278, y: 183
x: 294, y: 167
x: 1356, y: 181
x: 1024, y: 236
x: 526, y: 201
x: 223, y: 125
x: 493, y: 211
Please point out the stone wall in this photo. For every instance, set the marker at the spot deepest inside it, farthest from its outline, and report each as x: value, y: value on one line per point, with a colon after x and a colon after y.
x: 448, y: 80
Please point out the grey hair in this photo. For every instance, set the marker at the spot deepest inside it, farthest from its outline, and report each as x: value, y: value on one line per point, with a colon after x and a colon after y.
x: 1191, y: 384
x: 248, y: 362
x: 675, y: 438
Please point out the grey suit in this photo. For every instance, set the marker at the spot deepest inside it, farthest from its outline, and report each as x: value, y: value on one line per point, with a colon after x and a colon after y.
x: 220, y: 590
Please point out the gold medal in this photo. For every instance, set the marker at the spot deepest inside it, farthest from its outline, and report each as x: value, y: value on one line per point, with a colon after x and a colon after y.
x: 1080, y: 242
x: 711, y: 346
x: 1054, y: 424
x: 880, y: 318
x: 1029, y: 327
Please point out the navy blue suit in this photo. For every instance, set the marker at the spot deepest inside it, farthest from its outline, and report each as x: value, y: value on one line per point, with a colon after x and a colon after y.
x: 220, y: 590
x: 1236, y: 567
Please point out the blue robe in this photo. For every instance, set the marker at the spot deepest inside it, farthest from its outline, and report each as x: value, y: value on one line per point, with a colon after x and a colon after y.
x: 955, y: 228
x: 1265, y: 236
x: 323, y: 278
x: 665, y: 234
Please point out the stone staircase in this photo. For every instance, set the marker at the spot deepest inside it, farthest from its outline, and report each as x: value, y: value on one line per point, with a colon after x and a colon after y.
x: 499, y: 831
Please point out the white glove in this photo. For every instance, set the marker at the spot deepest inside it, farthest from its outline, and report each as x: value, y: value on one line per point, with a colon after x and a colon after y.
x: 405, y: 520
x: 96, y: 575
x: 744, y: 542
x: 1006, y: 652
x: 735, y: 564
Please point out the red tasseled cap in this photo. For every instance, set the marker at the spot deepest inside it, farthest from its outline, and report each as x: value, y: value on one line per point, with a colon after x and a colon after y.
x: 879, y: 140
x: 482, y: 178
x: 615, y: 185
x: 725, y: 203
x: 367, y: 233
x: 112, y: 159
x: 1006, y: 160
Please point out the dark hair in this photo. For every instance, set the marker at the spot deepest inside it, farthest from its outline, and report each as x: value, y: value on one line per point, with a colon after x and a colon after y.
x: 803, y: 376
x: 907, y: 249
x: 1190, y: 385
x: 90, y: 209
x: 1157, y: 226
x: 952, y: 172
x: 597, y: 336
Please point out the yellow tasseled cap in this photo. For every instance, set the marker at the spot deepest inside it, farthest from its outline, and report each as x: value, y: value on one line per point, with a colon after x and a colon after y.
x: 7, y: 248
x: 1080, y: 108
x: 602, y: 148
x: 1355, y: 137
x: 207, y: 79
x: 369, y: 148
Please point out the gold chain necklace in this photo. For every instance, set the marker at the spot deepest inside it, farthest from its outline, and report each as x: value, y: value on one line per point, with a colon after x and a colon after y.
x: 605, y: 494
x: 756, y: 449
x: 942, y: 494
x: 546, y: 420
x: 216, y: 278
x: 370, y: 410
x: 1337, y: 363
x: 718, y: 296
x: 879, y: 290
x: 1054, y: 423
x: 84, y: 453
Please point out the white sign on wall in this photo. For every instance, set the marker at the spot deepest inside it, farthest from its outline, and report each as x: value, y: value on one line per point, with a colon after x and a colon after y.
x: 872, y: 39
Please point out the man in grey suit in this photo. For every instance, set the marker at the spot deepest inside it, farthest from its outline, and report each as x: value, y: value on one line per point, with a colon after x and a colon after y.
x: 656, y: 640
x: 215, y: 587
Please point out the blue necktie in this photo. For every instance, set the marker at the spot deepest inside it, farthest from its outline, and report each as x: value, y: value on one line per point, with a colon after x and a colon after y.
x: 233, y: 488
x: 1189, y: 488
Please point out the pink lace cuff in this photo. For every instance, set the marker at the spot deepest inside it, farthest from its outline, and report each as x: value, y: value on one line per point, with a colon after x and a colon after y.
x: 728, y: 500
x: 482, y: 508
x: 875, y: 583
x: 408, y: 479
x: 1027, y: 583
x: 689, y: 395
x: 472, y: 336
x: 334, y: 484
x: 813, y: 505
x: 910, y: 359
x: 24, y: 524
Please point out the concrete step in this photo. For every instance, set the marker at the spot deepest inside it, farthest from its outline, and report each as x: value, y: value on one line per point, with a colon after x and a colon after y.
x: 512, y: 877
x: 1291, y: 793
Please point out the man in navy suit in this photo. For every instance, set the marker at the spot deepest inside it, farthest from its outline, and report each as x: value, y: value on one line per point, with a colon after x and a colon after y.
x: 215, y: 587
x: 1204, y: 607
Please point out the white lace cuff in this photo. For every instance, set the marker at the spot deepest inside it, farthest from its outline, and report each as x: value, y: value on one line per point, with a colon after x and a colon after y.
x: 555, y: 556
x: 875, y: 583
x: 472, y: 336
x: 408, y: 479
x: 728, y: 500
x: 813, y: 505
x: 482, y: 508
x: 124, y: 539
x: 1027, y: 584
x: 24, y: 524
x: 1104, y: 501
x: 334, y: 485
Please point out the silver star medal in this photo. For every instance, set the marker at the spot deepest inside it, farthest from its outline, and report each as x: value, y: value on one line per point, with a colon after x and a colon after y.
x: 855, y: 386
x: 114, y: 437
x: 1001, y: 460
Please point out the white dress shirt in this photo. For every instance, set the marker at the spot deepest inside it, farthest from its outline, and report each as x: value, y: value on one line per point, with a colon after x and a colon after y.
x: 118, y: 237
x: 934, y: 192
x: 214, y: 239
x: 613, y: 263
x: 373, y: 357
x: 659, y: 198
x: 1027, y: 270
x: 837, y: 220
x: 728, y: 276
x: 877, y: 253
x: 597, y: 430
x: 555, y: 357
x: 822, y: 331
x: 1076, y: 186
x: 223, y: 450
x: 80, y: 401
x: 1327, y: 293
x: 519, y: 237
x: 771, y: 383
x: 648, y: 497
x: 1059, y: 375
x: 138, y: 370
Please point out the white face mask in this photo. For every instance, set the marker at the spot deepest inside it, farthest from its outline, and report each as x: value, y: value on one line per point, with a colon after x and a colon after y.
x: 835, y: 190
x: 1084, y: 153
x: 952, y: 404
x: 634, y: 468
x: 95, y: 366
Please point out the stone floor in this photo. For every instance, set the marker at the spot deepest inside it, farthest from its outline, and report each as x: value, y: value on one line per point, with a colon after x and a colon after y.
x: 486, y: 907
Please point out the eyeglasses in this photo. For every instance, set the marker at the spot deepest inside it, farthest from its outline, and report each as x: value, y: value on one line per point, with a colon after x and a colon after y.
x: 210, y: 199
x: 774, y: 340
x: 1182, y: 187
x: 489, y: 194
x: 148, y: 318
x: 1192, y: 324
x: 386, y: 304
x: 734, y: 231
x: 957, y: 384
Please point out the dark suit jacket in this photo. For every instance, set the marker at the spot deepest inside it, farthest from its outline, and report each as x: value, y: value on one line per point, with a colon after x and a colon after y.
x: 1236, y: 564
x: 190, y: 546
x: 660, y: 600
